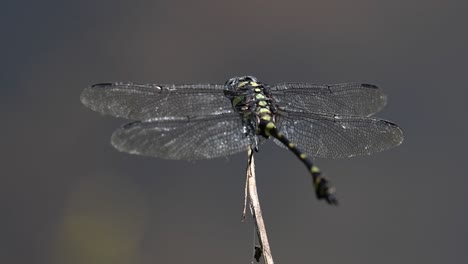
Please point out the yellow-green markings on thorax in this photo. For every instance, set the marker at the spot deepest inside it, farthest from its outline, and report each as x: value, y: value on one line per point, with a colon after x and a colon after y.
x: 237, y: 100
x: 262, y: 109
x: 259, y: 96
x: 242, y: 84
x: 241, y: 98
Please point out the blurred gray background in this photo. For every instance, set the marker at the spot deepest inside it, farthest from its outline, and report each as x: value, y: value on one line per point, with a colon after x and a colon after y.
x: 66, y: 196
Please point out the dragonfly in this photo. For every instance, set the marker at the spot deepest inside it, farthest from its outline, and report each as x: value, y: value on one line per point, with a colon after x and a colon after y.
x: 205, y: 121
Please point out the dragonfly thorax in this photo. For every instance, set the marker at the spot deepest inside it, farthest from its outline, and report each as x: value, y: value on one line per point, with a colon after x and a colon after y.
x: 253, y: 101
x: 234, y: 82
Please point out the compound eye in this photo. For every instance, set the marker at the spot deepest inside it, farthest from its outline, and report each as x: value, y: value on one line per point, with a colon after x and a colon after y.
x: 252, y: 79
x: 230, y: 82
x: 248, y: 78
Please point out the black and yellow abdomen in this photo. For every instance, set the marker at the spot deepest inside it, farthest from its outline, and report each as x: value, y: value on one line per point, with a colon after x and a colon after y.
x: 322, y: 189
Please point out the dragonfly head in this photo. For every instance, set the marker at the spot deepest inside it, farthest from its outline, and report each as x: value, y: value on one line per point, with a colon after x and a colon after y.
x: 240, y: 82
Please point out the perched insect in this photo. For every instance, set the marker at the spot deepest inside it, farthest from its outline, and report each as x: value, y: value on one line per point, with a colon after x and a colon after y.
x: 204, y: 121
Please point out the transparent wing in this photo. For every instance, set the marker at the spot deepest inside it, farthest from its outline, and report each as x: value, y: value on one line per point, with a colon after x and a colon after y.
x: 335, y: 136
x: 148, y: 101
x: 343, y: 99
x: 184, y: 138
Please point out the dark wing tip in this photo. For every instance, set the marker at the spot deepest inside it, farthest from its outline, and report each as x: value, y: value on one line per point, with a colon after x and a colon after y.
x: 101, y: 85
x: 397, y: 131
x: 367, y: 85
x: 131, y: 124
x: 88, y: 93
x: 88, y: 96
x: 389, y: 123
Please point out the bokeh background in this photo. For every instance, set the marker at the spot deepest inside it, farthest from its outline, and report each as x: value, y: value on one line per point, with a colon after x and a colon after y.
x: 66, y: 196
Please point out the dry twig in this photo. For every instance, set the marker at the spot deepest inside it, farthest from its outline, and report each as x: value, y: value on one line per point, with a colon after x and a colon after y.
x: 254, y: 204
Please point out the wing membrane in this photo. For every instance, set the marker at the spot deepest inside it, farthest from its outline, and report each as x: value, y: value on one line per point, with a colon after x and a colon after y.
x: 148, y: 101
x: 183, y: 139
x: 343, y: 99
x: 335, y: 136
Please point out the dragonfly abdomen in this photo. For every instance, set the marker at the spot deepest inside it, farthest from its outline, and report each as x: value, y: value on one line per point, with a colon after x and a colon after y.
x: 322, y: 189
